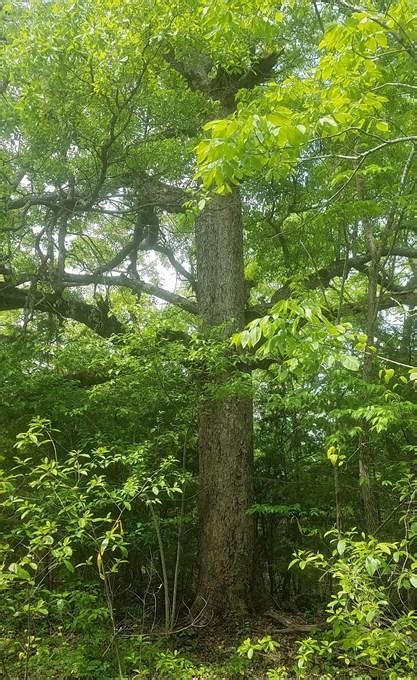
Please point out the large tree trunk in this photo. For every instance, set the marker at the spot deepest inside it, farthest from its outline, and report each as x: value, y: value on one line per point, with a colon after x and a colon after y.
x: 225, y: 423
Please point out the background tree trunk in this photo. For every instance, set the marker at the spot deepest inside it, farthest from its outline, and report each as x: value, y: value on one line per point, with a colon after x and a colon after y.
x: 225, y: 424
x: 365, y: 444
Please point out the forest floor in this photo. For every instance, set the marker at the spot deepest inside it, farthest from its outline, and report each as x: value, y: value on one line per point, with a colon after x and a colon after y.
x: 259, y: 648
x: 213, y: 647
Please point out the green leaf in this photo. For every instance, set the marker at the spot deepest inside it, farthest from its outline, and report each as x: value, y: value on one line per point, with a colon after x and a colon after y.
x: 255, y: 335
x: 341, y: 546
x: 328, y: 120
x: 350, y: 362
x: 389, y: 374
x: 19, y: 571
x: 69, y: 566
x: 371, y: 564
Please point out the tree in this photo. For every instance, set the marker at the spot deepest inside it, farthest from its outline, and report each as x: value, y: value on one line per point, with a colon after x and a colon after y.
x: 82, y: 113
x: 103, y: 106
x: 308, y: 121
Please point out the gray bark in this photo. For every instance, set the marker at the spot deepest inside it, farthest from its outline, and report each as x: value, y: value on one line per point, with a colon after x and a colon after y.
x: 225, y: 423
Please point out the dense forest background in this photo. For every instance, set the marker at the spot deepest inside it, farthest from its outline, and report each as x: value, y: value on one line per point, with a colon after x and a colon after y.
x: 208, y: 289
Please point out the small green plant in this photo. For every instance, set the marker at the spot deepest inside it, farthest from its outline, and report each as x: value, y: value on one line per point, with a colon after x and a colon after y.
x: 70, y: 522
x: 279, y: 673
x: 264, y: 646
x: 174, y: 665
x: 369, y: 630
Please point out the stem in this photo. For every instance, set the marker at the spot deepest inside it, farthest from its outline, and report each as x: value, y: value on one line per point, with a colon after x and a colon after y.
x: 366, y: 490
x: 29, y: 621
x: 3, y: 665
x: 109, y: 602
x: 179, y: 536
x: 163, y: 567
x: 337, y: 498
x: 108, y: 593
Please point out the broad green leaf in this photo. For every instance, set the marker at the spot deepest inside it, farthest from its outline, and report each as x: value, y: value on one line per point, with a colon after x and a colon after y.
x: 341, y: 546
x: 350, y: 362
x: 372, y: 564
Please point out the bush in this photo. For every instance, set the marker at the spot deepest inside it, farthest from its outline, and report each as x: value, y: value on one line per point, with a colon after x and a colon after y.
x: 370, y: 632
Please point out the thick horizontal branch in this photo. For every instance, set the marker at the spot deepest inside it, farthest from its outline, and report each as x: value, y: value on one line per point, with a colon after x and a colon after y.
x: 149, y: 191
x: 135, y: 285
x: 66, y: 307
x: 153, y: 192
x: 49, y: 199
x: 322, y: 277
x: 405, y: 297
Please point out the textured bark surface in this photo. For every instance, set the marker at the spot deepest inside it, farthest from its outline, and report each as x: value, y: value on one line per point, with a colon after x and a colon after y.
x: 225, y: 425
x: 99, y: 320
x: 219, y: 246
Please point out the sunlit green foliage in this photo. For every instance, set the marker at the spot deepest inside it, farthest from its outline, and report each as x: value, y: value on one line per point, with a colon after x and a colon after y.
x: 98, y: 451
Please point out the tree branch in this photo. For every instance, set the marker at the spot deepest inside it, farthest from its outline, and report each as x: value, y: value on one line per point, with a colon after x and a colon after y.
x: 402, y: 297
x: 66, y: 307
x: 177, y: 265
x: 135, y: 285
x: 323, y: 276
x: 224, y: 86
x: 150, y: 191
x: 364, y: 154
x: 402, y: 40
